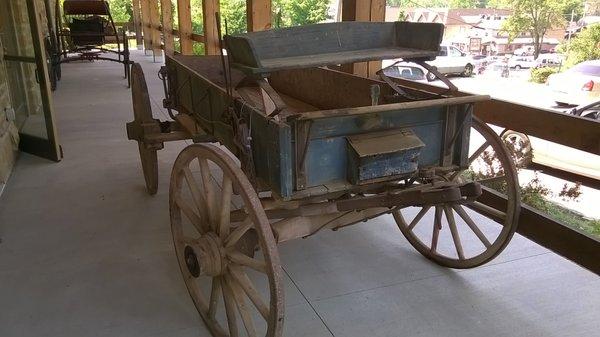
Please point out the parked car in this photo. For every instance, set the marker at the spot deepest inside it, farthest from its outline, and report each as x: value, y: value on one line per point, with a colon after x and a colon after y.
x: 539, y: 151
x: 451, y: 60
x: 521, y: 62
x: 548, y: 60
x: 579, y: 85
x: 406, y: 71
x: 524, y: 51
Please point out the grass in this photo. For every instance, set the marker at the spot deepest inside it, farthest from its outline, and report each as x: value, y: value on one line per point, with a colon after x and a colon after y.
x: 563, y: 214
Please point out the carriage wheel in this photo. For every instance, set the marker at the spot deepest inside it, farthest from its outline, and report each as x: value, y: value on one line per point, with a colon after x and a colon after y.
x: 459, y: 235
x: 224, y: 245
x: 142, y: 113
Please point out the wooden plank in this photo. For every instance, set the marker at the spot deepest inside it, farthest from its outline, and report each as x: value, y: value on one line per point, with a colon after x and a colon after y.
x: 258, y: 15
x: 137, y: 23
x: 154, y: 24
x: 167, y: 26
x: 145, y: 22
x: 184, y: 14
x: 570, y: 243
x: 211, y: 34
x: 568, y: 130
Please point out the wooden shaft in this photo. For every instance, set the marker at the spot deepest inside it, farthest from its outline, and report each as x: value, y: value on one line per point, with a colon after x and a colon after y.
x: 298, y: 227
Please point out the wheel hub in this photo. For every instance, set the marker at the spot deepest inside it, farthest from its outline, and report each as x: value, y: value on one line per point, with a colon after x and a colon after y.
x: 205, y: 256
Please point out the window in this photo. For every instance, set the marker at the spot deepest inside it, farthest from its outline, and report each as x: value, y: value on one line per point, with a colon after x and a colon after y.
x: 455, y: 52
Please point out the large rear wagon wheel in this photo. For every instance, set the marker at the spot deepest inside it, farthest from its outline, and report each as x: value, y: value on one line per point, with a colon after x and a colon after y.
x: 144, y: 124
x: 230, y: 265
x: 458, y: 235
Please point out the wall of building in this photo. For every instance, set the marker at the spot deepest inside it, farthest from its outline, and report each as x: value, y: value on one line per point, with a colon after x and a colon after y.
x: 9, y: 135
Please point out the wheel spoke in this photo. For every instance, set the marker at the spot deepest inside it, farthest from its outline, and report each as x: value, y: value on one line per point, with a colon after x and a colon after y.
x: 214, y: 296
x: 243, y: 309
x: 487, y: 210
x: 238, y: 232
x: 226, y: 190
x: 230, y: 309
x: 196, y: 195
x: 437, y: 225
x: 244, y: 260
x: 190, y: 214
x: 463, y: 214
x: 454, y: 232
x: 240, y: 277
x: 208, y: 189
x: 418, y: 218
x: 478, y: 152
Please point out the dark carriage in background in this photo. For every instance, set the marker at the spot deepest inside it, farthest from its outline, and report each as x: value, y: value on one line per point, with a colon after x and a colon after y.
x: 88, y: 26
x: 304, y: 148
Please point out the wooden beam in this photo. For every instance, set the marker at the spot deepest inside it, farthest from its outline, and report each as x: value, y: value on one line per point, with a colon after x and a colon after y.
x: 566, y: 241
x: 258, y: 15
x: 145, y: 22
x: 137, y: 23
x: 577, y: 132
x: 211, y: 35
x: 184, y: 14
x: 167, y: 26
x: 154, y: 24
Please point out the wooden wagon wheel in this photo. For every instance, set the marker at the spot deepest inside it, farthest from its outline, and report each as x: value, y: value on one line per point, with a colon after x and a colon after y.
x: 143, y: 124
x: 457, y: 237
x: 232, y: 286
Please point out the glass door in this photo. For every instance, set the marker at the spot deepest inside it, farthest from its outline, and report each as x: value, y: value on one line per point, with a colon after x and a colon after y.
x: 24, y: 58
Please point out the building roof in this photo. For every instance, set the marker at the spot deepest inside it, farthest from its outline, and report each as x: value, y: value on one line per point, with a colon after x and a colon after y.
x: 447, y: 16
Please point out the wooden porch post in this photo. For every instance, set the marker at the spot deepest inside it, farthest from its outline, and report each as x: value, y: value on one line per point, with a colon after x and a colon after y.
x: 154, y: 32
x: 167, y: 25
x: 145, y: 23
x: 363, y: 10
x: 185, y: 26
x: 258, y: 15
x: 211, y: 34
x: 137, y: 24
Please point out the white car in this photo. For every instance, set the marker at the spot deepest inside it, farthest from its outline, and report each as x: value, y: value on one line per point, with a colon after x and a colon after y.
x: 451, y: 60
x: 524, y: 51
x: 521, y: 62
x: 579, y: 85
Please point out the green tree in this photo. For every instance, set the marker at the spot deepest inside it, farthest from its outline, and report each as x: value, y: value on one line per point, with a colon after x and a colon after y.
x: 535, y: 17
x: 299, y: 12
x: 585, y: 46
x: 121, y: 10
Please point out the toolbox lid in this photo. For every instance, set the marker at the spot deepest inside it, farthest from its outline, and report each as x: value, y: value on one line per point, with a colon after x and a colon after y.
x: 384, y: 142
x: 333, y: 43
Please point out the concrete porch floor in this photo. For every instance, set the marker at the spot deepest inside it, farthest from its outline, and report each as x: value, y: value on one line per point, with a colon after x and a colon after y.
x: 84, y: 251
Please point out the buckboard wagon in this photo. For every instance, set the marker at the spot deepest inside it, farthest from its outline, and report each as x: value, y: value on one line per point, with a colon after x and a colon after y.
x: 314, y: 148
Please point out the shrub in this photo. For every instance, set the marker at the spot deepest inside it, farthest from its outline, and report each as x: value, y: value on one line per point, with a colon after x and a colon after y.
x: 540, y: 75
